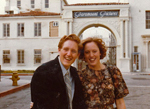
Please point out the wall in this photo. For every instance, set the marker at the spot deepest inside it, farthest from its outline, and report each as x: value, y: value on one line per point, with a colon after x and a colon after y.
x: 27, y: 43
x: 119, y: 26
x: 54, y: 6
x: 138, y: 17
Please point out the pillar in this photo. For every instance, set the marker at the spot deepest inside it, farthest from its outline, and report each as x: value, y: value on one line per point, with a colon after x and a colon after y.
x: 67, y: 28
x: 70, y: 27
x: 146, y: 57
x: 122, y: 38
x: 126, y: 39
x: 125, y: 65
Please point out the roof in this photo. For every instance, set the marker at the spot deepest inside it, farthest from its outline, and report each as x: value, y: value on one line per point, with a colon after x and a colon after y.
x: 31, y: 13
x: 65, y: 2
x: 83, y: 4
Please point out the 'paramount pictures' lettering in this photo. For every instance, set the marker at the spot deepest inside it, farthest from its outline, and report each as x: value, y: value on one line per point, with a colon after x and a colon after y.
x: 96, y: 14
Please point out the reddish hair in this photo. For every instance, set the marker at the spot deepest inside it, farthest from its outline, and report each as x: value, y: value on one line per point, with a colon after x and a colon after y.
x: 71, y: 37
x: 100, y: 44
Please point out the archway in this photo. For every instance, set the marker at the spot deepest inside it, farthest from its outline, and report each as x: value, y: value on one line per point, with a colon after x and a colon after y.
x: 108, y: 26
x: 108, y: 38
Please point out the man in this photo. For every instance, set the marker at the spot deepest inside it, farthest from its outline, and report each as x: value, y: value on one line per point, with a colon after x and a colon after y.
x: 49, y: 86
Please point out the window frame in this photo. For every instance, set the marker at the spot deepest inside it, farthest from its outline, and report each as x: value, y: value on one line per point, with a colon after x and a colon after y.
x: 55, y: 23
x: 37, y: 56
x: 46, y: 3
x: 20, y: 57
x: 6, y: 30
x: 6, y: 56
x: 37, y: 29
x: 18, y: 3
x: 147, y: 20
x: 135, y: 48
x: 32, y: 3
x: 20, y: 29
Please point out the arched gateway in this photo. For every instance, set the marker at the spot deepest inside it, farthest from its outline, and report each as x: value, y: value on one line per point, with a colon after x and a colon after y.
x: 111, y: 45
x: 113, y: 16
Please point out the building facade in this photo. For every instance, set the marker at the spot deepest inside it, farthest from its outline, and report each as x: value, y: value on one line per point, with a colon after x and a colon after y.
x: 31, y: 31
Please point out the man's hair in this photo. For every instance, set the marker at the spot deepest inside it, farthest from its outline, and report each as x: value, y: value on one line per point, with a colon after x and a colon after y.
x: 100, y: 44
x: 71, y: 37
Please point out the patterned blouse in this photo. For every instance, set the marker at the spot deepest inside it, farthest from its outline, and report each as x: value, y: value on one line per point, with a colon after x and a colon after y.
x: 102, y: 87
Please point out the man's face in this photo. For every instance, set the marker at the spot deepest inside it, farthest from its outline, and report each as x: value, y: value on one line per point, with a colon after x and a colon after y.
x: 68, y: 53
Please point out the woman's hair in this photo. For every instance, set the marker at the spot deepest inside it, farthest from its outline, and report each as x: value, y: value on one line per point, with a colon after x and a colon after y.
x: 98, y: 41
x: 71, y: 37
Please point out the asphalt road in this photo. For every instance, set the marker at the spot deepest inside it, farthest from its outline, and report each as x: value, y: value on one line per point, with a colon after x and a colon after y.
x: 18, y: 100
x: 139, y: 91
x: 139, y: 97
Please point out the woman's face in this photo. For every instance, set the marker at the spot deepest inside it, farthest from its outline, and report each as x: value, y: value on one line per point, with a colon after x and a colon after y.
x: 92, y: 54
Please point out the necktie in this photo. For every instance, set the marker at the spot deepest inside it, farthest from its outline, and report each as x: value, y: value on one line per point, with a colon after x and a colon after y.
x: 68, y: 84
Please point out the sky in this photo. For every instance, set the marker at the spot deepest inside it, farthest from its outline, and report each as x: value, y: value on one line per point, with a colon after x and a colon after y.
x: 96, y: 31
x: 2, y: 6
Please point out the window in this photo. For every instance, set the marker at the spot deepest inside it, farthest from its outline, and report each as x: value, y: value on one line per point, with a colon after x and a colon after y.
x: 6, y: 56
x: 20, y: 29
x: 53, y: 29
x: 6, y: 30
x: 135, y: 48
x: 20, y: 56
x: 37, y: 56
x: 18, y: 3
x: 147, y: 19
x: 32, y: 3
x: 55, y: 23
x: 46, y: 3
x: 37, y: 29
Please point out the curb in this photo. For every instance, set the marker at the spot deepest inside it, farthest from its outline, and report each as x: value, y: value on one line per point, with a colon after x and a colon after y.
x: 19, y: 74
x: 2, y: 94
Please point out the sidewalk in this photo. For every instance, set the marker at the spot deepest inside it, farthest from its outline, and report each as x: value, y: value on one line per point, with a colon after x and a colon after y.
x: 25, y: 79
x: 135, y: 73
x: 6, y: 83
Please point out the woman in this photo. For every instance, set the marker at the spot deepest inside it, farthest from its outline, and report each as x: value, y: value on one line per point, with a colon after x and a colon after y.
x: 103, y: 85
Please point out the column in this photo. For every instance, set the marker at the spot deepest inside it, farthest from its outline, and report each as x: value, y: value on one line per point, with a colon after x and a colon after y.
x: 126, y: 39
x: 70, y: 27
x: 67, y: 28
x: 122, y: 38
x: 146, y: 57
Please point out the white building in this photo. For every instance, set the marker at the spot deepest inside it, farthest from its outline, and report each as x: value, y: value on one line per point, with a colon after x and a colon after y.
x: 29, y: 37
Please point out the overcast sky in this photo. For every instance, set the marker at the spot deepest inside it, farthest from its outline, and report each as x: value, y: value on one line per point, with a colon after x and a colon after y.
x: 2, y: 4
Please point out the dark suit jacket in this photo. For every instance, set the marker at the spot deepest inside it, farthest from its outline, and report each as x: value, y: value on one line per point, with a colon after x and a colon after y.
x: 48, y: 89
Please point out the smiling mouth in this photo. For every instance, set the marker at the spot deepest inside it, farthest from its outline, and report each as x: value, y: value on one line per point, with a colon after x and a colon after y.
x: 68, y: 59
x: 92, y: 60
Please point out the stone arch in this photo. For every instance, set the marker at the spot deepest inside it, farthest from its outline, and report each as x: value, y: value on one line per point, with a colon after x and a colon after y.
x: 85, y: 26
x: 81, y: 27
